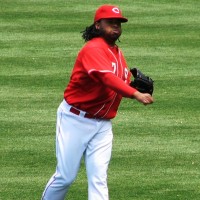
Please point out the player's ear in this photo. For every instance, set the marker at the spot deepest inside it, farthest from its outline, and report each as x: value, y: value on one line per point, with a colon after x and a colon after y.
x: 97, y: 25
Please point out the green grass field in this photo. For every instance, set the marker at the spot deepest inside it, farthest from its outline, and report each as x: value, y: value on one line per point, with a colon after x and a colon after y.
x: 156, y: 151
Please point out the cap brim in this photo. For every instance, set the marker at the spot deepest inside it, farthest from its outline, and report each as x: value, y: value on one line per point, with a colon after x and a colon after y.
x: 122, y: 19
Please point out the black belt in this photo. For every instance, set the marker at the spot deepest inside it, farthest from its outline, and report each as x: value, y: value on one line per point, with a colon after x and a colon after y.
x: 77, y: 112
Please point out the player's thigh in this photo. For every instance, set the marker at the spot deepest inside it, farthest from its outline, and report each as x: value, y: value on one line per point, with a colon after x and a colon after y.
x: 69, y: 144
x: 98, y: 152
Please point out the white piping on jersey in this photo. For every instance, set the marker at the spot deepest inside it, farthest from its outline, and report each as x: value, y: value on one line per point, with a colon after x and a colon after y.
x: 104, y: 71
x: 121, y: 63
x: 110, y: 105
x: 100, y: 109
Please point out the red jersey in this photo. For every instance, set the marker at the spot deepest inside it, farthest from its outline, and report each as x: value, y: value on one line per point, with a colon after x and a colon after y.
x: 99, y: 80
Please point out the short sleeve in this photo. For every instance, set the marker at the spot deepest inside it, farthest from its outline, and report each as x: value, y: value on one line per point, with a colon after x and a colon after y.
x: 95, y: 59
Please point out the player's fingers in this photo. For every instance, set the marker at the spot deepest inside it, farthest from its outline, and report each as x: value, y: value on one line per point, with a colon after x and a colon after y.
x: 149, y: 98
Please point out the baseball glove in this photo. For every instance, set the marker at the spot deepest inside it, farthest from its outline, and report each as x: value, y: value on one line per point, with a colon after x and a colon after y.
x: 142, y: 83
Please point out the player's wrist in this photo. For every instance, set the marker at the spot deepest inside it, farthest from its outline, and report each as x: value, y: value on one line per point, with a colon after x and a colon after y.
x: 135, y: 94
x: 144, y: 98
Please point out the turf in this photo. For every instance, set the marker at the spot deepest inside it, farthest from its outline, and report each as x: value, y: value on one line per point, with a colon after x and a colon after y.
x: 156, y: 149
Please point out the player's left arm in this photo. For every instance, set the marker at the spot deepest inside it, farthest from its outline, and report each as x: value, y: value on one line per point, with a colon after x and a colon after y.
x: 115, y: 83
x: 119, y: 86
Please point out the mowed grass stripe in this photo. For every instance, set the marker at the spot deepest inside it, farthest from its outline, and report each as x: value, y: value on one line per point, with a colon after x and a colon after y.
x: 156, y: 148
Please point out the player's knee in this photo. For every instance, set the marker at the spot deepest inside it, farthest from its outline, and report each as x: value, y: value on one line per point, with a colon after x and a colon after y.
x: 67, y: 181
x: 99, y: 175
x: 97, y: 181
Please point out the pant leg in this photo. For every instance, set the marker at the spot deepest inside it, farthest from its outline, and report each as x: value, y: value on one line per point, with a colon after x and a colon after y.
x: 97, y: 157
x: 70, y: 146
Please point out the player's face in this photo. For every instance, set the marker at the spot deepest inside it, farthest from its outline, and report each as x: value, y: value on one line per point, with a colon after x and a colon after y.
x: 110, y: 29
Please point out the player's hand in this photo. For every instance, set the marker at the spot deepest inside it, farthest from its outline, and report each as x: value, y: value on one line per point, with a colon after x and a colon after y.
x: 144, y: 98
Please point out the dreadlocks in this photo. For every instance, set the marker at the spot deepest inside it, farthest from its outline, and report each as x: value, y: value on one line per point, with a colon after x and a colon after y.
x: 90, y: 32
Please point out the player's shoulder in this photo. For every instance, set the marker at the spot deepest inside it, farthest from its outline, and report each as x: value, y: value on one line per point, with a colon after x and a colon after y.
x: 95, y: 43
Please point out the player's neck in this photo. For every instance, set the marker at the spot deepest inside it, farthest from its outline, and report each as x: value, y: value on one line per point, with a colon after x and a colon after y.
x: 111, y: 43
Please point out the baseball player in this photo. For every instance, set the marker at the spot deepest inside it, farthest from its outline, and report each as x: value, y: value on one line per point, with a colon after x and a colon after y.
x: 99, y: 80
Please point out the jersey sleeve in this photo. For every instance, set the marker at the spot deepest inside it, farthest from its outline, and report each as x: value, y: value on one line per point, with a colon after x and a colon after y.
x: 115, y: 83
x: 95, y: 59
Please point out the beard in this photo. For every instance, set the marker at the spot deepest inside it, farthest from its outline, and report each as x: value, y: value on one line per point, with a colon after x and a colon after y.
x: 111, y: 37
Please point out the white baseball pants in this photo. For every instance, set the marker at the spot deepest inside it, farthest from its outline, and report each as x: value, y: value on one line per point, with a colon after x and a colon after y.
x: 77, y: 136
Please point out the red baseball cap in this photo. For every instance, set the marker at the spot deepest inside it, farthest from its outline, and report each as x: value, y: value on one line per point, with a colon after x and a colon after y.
x: 109, y: 11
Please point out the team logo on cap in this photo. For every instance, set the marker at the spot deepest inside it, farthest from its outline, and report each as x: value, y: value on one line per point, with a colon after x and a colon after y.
x: 115, y: 10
